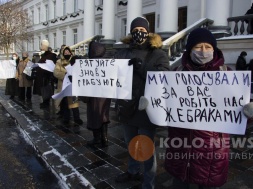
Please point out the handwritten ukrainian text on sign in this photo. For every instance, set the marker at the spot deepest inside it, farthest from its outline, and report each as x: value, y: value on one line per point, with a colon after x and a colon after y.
x: 109, y: 78
x: 211, y: 101
x: 7, y: 69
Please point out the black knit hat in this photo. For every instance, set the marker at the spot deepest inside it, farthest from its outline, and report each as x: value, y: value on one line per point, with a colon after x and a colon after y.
x: 200, y: 35
x: 139, y: 22
x: 243, y: 53
x: 96, y: 50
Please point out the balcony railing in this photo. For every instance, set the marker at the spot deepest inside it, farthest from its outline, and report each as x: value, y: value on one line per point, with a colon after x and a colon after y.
x: 81, y: 47
x: 240, y: 23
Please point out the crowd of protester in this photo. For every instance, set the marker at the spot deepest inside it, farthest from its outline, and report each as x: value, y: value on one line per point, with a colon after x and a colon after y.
x: 144, y: 54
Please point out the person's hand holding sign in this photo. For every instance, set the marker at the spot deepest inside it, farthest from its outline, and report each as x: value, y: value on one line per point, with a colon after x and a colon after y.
x: 136, y: 62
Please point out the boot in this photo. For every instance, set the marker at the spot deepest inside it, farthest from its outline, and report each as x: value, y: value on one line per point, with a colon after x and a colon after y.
x: 104, y: 138
x: 97, y: 137
x: 76, y: 116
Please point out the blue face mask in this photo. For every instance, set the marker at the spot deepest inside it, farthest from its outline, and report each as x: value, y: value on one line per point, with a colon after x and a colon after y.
x: 200, y: 57
x: 139, y: 37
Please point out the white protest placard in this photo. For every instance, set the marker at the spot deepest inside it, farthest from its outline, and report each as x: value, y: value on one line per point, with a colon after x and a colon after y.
x: 211, y: 101
x: 28, y: 68
x: 66, y: 88
x: 49, y: 65
x: 108, y: 78
x: 7, y: 69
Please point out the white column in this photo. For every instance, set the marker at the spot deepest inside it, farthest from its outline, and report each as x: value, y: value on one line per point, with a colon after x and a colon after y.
x: 218, y: 11
x: 168, y: 16
x: 134, y: 9
x: 89, y: 18
x: 108, y: 19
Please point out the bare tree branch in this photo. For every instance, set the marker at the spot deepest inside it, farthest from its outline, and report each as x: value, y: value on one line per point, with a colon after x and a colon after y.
x: 15, y: 25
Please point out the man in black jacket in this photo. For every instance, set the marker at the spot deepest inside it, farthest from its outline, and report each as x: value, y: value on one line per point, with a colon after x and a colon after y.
x: 145, y: 54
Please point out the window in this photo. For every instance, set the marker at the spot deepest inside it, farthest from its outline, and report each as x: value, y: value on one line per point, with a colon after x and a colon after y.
x: 39, y: 38
x: 75, y: 35
x: 32, y: 17
x: 151, y: 20
x: 64, y: 37
x: 46, y: 10
x: 33, y: 44
x: 182, y: 18
x: 75, y: 5
x: 64, y: 7
x: 46, y: 37
x: 100, y: 29
x: 124, y: 27
x: 55, y: 40
x: 54, y: 16
x: 39, y: 15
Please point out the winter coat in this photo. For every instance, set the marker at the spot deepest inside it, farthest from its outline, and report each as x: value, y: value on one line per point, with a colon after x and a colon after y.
x: 250, y: 11
x: 97, y: 112
x: 59, y: 73
x: 23, y: 82
x: 43, y: 77
x: 153, y: 59
x: 11, y: 86
x: 241, y: 63
x: 250, y: 67
x: 205, y: 165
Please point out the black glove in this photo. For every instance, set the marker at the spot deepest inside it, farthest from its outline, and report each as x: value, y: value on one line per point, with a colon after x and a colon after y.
x: 136, y: 62
x: 70, y: 78
x: 73, y: 60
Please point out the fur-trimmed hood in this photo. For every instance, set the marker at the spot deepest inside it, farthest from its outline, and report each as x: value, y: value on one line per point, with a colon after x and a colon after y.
x: 155, y: 40
x: 66, y: 47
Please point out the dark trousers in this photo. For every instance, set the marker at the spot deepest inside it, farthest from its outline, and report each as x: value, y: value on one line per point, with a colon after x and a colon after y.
x: 25, y: 92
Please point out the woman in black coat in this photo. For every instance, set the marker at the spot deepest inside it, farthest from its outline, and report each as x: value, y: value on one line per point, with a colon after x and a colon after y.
x: 98, y: 108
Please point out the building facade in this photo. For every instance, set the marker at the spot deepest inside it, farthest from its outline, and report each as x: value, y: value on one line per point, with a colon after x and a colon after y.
x: 71, y: 21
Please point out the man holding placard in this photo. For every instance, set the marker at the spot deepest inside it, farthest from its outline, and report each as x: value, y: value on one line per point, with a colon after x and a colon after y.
x: 145, y: 55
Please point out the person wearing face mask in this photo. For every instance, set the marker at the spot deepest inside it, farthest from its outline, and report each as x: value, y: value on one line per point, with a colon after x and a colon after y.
x: 11, y: 87
x: 145, y: 54
x: 206, y: 172
x: 44, y: 77
x: 66, y: 103
x: 25, y: 85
